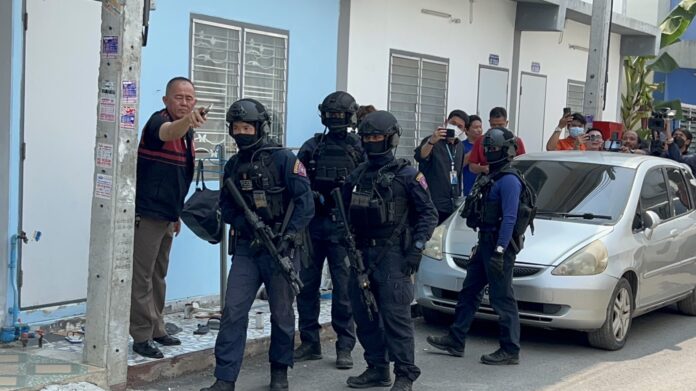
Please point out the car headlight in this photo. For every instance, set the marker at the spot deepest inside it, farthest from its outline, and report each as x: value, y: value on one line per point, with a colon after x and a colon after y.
x: 434, y: 246
x: 589, y: 260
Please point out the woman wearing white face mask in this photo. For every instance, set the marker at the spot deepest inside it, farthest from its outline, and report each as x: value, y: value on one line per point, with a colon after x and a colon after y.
x: 576, y: 134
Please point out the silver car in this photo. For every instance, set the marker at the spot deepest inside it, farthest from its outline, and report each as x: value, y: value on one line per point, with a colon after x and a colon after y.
x: 614, y: 238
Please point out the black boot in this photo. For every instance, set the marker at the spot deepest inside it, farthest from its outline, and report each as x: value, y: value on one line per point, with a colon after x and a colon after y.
x: 279, y: 377
x: 308, y: 351
x: 501, y: 357
x: 402, y: 384
x: 372, y: 377
x: 220, y: 385
x: 147, y: 349
x: 343, y: 359
x: 448, y: 344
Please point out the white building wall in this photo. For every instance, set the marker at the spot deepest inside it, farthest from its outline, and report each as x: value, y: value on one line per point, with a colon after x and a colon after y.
x: 378, y: 26
x: 560, y: 63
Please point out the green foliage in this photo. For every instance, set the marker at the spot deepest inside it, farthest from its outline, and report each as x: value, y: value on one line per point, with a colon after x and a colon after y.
x: 637, y: 102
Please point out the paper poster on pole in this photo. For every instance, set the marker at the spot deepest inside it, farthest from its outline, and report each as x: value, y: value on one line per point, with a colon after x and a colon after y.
x: 105, y: 155
x: 103, y: 187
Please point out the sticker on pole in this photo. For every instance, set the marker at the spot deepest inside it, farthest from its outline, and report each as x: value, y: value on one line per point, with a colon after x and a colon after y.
x: 107, y: 88
x: 105, y: 155
x: 110, y: 46
x: 127, y: 116
x: 129, y: 92
x: 115, y: 6
x: 103, y: 187
x: 107, y: 109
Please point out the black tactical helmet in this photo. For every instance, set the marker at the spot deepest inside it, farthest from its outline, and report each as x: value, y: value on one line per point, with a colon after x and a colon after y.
x: 252, y: 112
x: 380, y: 123
x: 499, y: 146
x: 338, y: 110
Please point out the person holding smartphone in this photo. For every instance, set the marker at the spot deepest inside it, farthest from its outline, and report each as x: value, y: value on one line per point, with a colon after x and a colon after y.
x: 576, y: 140
x: 440, y: 158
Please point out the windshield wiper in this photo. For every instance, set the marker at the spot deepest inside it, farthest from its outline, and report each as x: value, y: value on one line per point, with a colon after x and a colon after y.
x: 585, y: 216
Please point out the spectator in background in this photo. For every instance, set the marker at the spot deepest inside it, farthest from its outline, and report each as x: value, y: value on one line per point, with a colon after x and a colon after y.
x: 682, y: 138
x: 631, y: 143
x: 477, y: 160
x: 440, y: 158
x: 362, y: 112
x: 595, y: 140
x: 576, y: 140
x: 473, y: 133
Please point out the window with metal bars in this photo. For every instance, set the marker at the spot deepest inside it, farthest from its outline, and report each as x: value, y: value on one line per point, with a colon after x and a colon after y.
x: 417, y: 96
x: 575, y: 97
x: 232, y: 60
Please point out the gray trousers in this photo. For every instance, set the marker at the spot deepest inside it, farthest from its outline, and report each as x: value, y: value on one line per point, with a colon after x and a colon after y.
x: 151, y: 246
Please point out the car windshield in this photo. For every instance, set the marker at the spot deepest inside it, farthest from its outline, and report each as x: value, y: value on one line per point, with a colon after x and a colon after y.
x: 583, y: 192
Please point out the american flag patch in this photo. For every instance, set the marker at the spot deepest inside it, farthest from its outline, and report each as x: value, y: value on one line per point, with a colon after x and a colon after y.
x: 420, y: 178
x: 299, y: 169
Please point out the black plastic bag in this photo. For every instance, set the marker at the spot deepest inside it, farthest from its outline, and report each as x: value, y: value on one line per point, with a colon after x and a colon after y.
x: 201, y: 212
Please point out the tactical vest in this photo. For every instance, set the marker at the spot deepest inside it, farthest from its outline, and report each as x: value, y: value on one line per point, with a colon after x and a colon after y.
x: 260, y: 183
x: 479, y: 211
x: 379, y: 202
x: 331, y: 162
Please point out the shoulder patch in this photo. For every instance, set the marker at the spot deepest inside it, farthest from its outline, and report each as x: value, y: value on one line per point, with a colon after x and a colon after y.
x: 420, y: 178
x: 299, y: 168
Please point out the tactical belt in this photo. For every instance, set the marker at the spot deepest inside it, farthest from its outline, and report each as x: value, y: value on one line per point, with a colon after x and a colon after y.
x: 364, y: 242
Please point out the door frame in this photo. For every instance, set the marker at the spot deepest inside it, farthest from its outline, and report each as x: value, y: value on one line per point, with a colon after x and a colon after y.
x: 519, y: 105
x: 507, y: 85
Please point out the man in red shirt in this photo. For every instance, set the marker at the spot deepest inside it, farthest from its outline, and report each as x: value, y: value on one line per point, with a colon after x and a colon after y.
x: 477, y: 159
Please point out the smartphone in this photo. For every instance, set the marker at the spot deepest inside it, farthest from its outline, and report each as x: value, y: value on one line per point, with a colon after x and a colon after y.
x: 451, y: 130
x: 206, y: 109
x: 566, y: 111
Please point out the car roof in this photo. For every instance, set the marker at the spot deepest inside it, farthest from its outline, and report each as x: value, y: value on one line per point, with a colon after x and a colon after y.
x: 627, y: 160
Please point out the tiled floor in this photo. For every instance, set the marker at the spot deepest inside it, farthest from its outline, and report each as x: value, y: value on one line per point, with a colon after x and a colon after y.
x: 60, y: 360
x: 25, y: 369
x: 193, y: 343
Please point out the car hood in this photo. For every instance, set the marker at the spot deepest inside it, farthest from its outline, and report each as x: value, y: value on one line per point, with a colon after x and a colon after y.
x: 551, y: 243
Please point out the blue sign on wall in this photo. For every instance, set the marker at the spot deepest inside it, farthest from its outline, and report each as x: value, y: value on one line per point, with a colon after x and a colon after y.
x: 493, y: 59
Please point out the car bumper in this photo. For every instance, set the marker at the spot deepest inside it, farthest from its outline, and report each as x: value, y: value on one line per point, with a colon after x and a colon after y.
x: 545, y: 300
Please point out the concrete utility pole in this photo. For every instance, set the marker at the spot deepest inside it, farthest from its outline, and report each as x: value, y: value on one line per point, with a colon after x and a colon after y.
x: 113, y: 202
x: 596, y: 78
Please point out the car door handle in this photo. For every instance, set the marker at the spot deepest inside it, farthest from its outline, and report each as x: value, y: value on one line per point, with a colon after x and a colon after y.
x: 674, y: 233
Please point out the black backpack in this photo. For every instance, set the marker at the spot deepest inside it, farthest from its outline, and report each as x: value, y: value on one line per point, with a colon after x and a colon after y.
x: 201, y: 212
x: 526, y: 211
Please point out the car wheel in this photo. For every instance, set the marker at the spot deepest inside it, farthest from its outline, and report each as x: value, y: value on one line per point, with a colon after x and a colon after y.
x: 613, y: 333
x: 435, y: 317
x: 687, y: 306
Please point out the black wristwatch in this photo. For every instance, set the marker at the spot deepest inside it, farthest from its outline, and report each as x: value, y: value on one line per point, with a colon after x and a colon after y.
x: 499, y: 250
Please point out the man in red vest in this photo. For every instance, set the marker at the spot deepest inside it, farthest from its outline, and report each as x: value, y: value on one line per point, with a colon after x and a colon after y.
x: 166, y: 157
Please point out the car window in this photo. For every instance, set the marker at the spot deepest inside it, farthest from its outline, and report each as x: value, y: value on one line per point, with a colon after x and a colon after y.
x: 654, y: 195
x: 579, y: 189
x: 692, y: 185
x: 678, y: 192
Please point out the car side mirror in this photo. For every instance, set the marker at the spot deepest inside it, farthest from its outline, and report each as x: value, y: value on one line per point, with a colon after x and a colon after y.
x: 650, y: 221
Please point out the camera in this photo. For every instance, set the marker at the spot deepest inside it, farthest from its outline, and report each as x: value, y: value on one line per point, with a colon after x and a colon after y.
x: 656, y: 124
x: 451, y: 130
x: 613, y: 144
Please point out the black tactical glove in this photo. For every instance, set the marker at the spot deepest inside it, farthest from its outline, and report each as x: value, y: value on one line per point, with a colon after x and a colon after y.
x: 287, y: 244
x: 412, y: 261
x: 497, y: 263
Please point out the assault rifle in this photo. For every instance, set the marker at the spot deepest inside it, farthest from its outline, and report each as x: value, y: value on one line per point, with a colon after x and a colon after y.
x: 354, y: 257
x: 265, y: 236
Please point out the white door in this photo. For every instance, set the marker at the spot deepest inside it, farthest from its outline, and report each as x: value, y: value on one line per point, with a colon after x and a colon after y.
x: 492, y: 91
x: 62, y: 66
x: 530, y: 122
